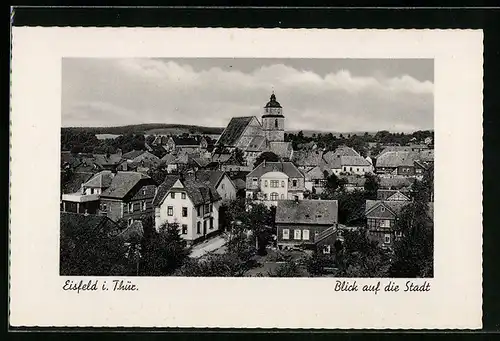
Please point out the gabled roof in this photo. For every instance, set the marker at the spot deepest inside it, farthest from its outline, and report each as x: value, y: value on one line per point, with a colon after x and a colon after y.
x: 88, y: 223
x: 213, y: 177
x: 396, y: 159
x: 394, y: 206
x: 256, y: 144
x: 307, y: 212
x: 199, y: 192
x: 133, y: 232
x: 168, y: 159
x: 234, y: 130
x: 133, y: 154
x: 354, y: 161
x: 317, y: 172
x: 100, y: 180
x: 285, y: 167
x: 384, y: 194
x: 122, y: 183
x: 307, y: 157
x: 282, y: 149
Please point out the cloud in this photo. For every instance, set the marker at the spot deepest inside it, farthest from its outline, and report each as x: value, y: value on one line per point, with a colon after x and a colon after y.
x: 130, y: 91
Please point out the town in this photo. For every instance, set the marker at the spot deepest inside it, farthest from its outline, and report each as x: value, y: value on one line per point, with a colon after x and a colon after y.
x: 251, y: 200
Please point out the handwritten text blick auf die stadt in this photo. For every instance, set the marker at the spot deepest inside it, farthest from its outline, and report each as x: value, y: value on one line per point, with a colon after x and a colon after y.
x: 390, y: 286
x: 95, y: 285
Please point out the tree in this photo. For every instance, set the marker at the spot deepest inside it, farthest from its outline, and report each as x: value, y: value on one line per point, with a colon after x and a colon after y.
x: 288, y: 269
x: 158, y: 173
x: 360, y: 257
x: 259, y: 220
x: 266, y: 156
x: 371, y: 186
x: 91, y: 252
x: 318, y: 262
x: 164, y: 251
x: 332, y: 182
x: 213, y: 265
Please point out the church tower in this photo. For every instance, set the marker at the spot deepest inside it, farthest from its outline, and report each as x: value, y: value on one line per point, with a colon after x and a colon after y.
x: 273, y: 121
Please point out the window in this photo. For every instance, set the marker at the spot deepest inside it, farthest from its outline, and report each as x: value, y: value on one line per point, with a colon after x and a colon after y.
x: 282, y: 197
x: 222, y: 186
x: 172, y: 195
x: 91, y: 191
x: 144, y: 206
x: 198, y: 210
x: 206, y: 209
x: 305, y: 234
x: 131, y: 207
x: 143, y: 191
x: 211, y: 208
x: 255, y: 180
x: 265, y: 183
x: 204, y: 226
x: 385, y: 223
x: 282, y: 184
x: 183, y: 195
x: 382, y: 209
x: 326, y: 249
x: 198, y: 227
x: 357, y: 169
x: 387, y: 239
x: 296, y: 197
x: 296, y: 234
x: 345, y: 168
x: 274, y: 196
x: 184, y: 229
x: 184, y: 211
x: 130, y: 221
x: 286, y: 234
x: 276, y: 123
x: 294, y: 183
x: 211, y: 223
x: 104, y: 207
x: 170, y: 210
x: 275, y: 183
x: 350, y: 169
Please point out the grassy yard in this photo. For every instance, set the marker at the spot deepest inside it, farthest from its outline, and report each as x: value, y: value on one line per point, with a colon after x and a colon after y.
x: 272, y: 260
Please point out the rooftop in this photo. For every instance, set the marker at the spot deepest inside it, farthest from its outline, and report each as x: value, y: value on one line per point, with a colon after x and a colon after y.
x: 285, y: 167
x: 234, y: 130
x: 307, y: 212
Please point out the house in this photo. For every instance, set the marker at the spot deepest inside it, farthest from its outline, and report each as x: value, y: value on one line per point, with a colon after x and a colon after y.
x: 308, y: 159
x: 355, y: 165
x: 307, y: 223
x: 270, y: 182
x: 315, y: 179
x: 218, y: 180
x: 124, y: 195
x: 393, y: 194
x: 192, y: 204
x: 354, y: 182
x: 188, y: 144
x: 381, y: 217
x: 140, y: 160
x: 396, y: 163
x: 112, y: 162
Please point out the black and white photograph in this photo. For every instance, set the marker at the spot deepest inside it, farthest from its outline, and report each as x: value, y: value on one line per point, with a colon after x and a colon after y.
x: 246, y: 178
x: 247, y: 167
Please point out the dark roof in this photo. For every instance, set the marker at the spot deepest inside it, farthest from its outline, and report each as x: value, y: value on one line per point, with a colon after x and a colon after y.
x: 285, y: 167
x: 185, y: 141
x: 201, y: 161
x: 383, y: 194
x: 211, y: 176
x: 234, y: 130
x: 87, y: 222
x: 122, y: 183
x: 170, y: 180
x: 307, y: 211
x: 199, y: 192
x: 222, y: 158
x: 74, y: 184
x: 273, y: 103
x: 394, y: 206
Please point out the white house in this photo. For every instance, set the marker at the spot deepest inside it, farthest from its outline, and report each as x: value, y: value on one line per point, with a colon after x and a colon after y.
x: 270, y: 182
x: 355, y: 165
x: 192, y: 204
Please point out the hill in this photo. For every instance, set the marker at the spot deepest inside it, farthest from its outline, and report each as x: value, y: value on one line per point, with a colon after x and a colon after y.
x: 149, y: 128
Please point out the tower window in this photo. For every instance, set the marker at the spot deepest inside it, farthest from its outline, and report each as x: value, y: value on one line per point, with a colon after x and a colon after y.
x: 276, y: 123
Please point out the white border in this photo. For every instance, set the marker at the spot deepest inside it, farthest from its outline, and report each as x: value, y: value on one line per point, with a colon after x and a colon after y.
x: 36, y: 298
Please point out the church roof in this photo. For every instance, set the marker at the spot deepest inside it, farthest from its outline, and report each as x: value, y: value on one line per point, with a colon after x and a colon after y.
x: 273, y: 103
x: 234, y: 130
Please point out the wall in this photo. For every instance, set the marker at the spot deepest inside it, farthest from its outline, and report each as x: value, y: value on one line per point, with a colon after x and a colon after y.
x: 282, y: 188
x: 113, y: 208
x: 177, y: 203
x: 253, y: 129
x: 406, y: 170
x: 359, y: 170
x: 271, y: 132
x: 226, y: 188
x: 313, y: 230
x: 141, y: 194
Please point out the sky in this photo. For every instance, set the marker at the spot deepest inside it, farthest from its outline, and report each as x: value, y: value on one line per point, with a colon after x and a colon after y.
x: 337, y: 95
